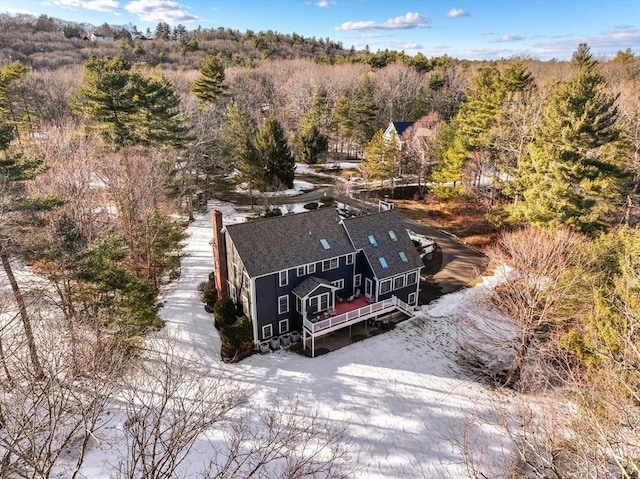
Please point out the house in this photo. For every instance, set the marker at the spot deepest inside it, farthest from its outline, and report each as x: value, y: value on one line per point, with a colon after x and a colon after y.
x: 101, y: 38
x: 395, y: 131
x: 314, y: 273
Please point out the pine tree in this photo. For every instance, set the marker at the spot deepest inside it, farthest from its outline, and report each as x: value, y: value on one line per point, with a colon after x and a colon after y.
x: 107, y: 97
x: 210, y: 85
x: 572, y: 174
x: 470, y: 130
x: 275, y: 156
x: 157, y: 116
x: 128, y: 107
x: 9, y: 74
x: 309, y: 142
x: 379, y: 158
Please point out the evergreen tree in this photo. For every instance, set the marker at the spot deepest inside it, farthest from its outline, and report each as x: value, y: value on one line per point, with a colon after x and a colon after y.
x: 309, y: 143
x: 238, y: 132
x: 107, y: 97
x: 129, y: 107
x: 472, y: 125
x: 9, y: 74
x: 157, y: 117
x: 210, y: 85
x: 572, y: 174
x: 163, y: 31
x: 274, y: 155
x: 379, y: 158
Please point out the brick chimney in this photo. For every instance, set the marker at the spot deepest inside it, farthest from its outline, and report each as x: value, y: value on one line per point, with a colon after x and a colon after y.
x: 219, y: 255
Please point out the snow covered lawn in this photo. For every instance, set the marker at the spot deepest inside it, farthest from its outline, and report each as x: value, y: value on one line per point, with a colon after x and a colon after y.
x: 401, y: 395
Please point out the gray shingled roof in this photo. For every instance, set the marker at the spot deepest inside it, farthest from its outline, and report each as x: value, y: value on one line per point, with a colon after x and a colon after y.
x: 311, y: 284
x: 275, y: 244
x: 378, y: 225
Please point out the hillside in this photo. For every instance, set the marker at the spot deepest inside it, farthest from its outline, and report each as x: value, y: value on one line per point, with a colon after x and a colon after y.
x: 51, y: 43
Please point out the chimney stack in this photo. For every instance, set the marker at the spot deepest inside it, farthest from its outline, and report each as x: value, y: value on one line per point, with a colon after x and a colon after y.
x: 219, y: 255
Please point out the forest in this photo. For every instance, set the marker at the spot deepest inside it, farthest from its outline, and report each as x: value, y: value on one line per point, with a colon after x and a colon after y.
x: 109, y: 148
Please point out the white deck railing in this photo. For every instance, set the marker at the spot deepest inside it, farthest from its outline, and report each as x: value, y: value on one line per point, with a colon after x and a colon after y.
x: 351, y: 317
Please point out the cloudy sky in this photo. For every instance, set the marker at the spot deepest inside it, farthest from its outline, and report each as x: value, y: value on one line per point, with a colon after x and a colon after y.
x: 471, y: 29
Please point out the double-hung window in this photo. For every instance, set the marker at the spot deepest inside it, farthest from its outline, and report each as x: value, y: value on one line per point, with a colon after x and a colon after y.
x: 283, y: 278
x: 385, y: 286
x: 283, y: 304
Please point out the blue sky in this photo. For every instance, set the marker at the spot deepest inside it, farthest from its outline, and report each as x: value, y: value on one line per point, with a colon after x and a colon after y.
x: 471, y: 29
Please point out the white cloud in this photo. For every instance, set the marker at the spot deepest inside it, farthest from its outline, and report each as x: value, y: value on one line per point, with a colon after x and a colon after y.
x: 457, y: 13
x: 324, y: 3
x: 409, y: 46
x: 511, y: 37
x: 407, y: 21
x: 97, y: 5
x: 160, y: 11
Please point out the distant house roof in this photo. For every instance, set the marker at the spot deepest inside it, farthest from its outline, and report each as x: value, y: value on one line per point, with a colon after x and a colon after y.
x: 275, y: 244
x: 401, y: 126
x: 384, y: 239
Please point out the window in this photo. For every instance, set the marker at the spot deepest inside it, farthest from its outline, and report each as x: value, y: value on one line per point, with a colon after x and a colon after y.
x: 325, y: 244
x: 329, y: 264
x: 349, y: 259
x: 398, y: 282
x: 385, y: 286
x: 357, y: 280
x: 301, y: 270
x: 311, y: 268
x: 392, y: 235
x: 412, y: 299
x: 372, y: 240
x: 383, y: 262
x: 283, y: 304
x: 267, y: 331
x: 284, y: 278
x: 283, y: 326
x: 338, y: 283
x: 319, y: 303
x: 403, y: 257
x: 298, y: 305
x: 412, y: 278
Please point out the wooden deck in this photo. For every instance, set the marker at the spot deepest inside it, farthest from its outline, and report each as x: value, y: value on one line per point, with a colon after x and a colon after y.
x: 352, y: 315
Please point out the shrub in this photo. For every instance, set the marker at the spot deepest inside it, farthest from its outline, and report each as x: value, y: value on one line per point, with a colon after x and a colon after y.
x: 208, y: 294
x: 237, y: 340
x: 327, y: 200
x: 225, y: 312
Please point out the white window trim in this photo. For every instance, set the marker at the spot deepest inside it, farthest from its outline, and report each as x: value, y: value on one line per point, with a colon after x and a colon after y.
x: 301, y: 271
x: 265, y: 328
x: 413, y: 274
x: 412, y: 299
x: 311, y: 268
x: 382, y: 284
x: 401, y: 279
x: 350, y: 259
x: 286, y: 278
x: 284, y: 310
x: 357, y: 280
x: 339, y: 283
x: 331, y: 263
x: 285, y: 323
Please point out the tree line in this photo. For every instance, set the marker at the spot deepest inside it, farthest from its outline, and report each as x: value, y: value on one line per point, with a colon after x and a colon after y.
x: 103, y: 167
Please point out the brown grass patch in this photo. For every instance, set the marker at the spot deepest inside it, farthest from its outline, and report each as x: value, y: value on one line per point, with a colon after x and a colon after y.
x: 460, y: 216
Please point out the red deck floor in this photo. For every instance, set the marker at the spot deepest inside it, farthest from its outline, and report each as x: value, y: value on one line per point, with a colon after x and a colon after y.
x: 347, y: 306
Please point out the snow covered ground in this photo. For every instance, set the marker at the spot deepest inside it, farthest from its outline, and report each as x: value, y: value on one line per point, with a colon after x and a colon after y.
x: 404, y: 401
